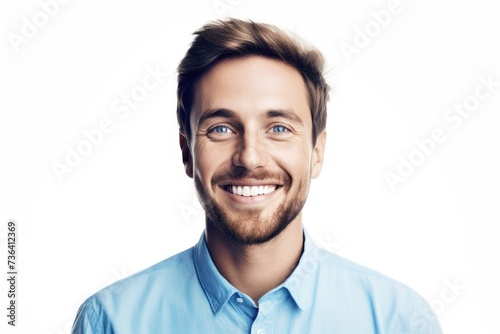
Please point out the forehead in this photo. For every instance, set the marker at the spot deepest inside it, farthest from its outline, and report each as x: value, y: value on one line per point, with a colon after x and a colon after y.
x: 251, y: 86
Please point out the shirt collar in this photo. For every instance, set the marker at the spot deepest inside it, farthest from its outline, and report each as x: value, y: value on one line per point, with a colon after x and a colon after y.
x: 217, y: 289
x: 300, y: 284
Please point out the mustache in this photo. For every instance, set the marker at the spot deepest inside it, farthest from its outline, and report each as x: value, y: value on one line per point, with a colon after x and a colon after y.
x: 239, y: 173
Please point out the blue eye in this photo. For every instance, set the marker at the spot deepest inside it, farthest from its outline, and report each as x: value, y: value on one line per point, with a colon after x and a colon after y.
x: 221, y: 129
x: 279, y: 129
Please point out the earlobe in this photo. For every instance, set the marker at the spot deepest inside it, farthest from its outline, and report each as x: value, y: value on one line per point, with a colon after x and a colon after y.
x: 187, y: 159
x: 318, y: 155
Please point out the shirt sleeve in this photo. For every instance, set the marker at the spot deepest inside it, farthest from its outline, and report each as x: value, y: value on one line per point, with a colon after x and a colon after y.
x: 86, y: 320
x: 423, y: 319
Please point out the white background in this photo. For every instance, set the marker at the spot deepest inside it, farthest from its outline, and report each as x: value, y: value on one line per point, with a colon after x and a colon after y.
x: 128, y: 204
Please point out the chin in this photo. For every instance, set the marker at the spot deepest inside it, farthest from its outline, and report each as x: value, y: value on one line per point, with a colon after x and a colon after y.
x: 253, y: 229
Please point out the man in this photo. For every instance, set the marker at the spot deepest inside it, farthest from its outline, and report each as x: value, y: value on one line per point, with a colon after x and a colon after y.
x: 252, y: 115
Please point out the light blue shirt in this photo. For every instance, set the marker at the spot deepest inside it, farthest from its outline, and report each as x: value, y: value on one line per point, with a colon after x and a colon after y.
x: 324, y: 294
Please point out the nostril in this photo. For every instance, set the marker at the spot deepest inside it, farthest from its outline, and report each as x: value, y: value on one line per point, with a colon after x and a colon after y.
x: 249, y: 158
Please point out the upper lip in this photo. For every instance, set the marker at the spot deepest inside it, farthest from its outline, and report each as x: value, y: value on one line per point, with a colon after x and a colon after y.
x: 250, y: 183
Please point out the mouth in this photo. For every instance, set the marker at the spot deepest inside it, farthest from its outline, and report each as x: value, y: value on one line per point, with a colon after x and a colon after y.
x: 251, y: 190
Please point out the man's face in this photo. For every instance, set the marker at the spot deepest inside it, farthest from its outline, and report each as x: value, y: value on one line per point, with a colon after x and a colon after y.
x: 251, y: 153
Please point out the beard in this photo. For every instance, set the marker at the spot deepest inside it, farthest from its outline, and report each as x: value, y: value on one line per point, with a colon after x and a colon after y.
x: 251, y: 227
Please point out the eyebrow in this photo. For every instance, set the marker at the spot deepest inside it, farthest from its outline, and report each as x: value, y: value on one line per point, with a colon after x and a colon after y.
x: 224, y: 113
x: 288, y: 114
x: 273, y: 113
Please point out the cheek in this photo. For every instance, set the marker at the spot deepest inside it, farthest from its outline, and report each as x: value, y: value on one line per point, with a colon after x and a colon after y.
x: 208, y: 159
x: 295, y: 160
x: 199, y: 161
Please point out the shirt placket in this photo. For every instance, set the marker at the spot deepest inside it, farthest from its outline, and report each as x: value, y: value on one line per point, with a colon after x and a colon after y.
x: 263, y: 323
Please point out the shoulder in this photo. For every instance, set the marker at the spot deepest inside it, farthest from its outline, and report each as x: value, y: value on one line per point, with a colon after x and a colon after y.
x: 122, y: 299
x: 160, y: 274
x: 347, y: 270
x: 385, y: 297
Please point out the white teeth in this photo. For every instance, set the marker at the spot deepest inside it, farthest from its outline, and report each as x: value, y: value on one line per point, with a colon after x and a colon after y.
x: 254, y: 191
x: 248, y: 191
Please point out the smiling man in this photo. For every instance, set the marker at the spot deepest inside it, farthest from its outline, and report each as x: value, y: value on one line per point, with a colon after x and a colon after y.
x: 252, y: 115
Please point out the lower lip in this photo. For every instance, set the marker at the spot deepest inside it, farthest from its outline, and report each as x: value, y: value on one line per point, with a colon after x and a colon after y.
x: 250, y: 199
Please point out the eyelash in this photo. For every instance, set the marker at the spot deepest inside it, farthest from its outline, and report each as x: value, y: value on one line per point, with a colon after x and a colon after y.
x: 287, y: 128
x: 212, y: 129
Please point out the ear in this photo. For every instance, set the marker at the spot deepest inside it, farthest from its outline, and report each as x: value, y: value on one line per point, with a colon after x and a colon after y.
x: 187, y: 159
x: 318, y: 155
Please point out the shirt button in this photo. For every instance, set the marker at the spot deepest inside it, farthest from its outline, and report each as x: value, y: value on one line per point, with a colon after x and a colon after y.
x: 239, y: 300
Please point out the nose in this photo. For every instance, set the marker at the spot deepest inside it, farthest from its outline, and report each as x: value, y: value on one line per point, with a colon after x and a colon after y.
x: 250, y: 152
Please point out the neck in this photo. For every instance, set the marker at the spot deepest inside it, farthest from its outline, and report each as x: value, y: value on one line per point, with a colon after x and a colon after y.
x: 256, y: 269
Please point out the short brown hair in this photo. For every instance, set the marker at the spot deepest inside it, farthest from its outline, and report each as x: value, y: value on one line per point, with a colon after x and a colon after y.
x: 235, y: 38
